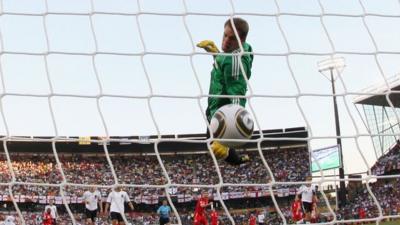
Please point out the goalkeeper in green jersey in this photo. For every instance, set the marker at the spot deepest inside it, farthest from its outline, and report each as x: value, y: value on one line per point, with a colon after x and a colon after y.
x: 227, y: 78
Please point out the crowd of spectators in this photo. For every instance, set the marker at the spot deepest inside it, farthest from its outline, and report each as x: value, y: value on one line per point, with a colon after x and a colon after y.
x: 388, y: 163
x: 363, y: 205
x: 385, y: 190
x: 198, y: 168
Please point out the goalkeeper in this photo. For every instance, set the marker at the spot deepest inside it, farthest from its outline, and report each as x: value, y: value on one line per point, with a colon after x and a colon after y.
x: 227, y: 78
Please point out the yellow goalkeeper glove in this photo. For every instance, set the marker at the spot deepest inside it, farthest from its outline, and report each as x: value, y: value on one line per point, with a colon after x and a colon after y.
x: 208, y: 45
x: 220, y: 151
x: 228, y: 154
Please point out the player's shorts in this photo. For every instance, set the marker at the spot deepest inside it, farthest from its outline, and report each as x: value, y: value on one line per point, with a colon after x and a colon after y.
x: 91, y: 214
x: 200, y: 219
x: 307, y: 207
x: 117, y: 216
x: 164, y: 220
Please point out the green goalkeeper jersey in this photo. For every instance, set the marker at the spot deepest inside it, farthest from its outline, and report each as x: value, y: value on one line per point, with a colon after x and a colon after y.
x: 227, y: 78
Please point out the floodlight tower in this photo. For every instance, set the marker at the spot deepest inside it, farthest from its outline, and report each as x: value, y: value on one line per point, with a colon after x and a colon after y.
x: 327, y: 68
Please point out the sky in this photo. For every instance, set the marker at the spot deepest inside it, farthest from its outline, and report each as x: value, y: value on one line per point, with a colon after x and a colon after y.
x: 83, y: 60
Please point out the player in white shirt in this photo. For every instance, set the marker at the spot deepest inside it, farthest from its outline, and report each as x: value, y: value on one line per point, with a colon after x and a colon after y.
x: 261, y: 218
x: 117, y: 199
x: 307, y: 193
x: 10, y: 220
x: 53, y: 208
x: 92, y: 200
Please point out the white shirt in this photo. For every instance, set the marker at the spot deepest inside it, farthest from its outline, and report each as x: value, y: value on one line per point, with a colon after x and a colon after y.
x: 117, y: 200
x: 306, y: 192
x: 93, y: 198
x: 260, y: 218
x: 53, y: 211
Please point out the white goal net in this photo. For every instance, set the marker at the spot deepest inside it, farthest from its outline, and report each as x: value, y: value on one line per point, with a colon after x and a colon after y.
x: 102, y: 94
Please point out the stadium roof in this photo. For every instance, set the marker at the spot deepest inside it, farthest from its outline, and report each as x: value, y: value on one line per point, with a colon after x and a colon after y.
x: 378, y: 94
x: 137, y: 144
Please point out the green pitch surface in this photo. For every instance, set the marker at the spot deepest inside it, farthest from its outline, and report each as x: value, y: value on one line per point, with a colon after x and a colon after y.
x: 396, y: 222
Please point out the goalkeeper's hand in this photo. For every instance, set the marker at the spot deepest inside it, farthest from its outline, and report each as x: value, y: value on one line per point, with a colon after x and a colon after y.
x: 228, y: 154
x: 220, y: 151
x: 208, y: 45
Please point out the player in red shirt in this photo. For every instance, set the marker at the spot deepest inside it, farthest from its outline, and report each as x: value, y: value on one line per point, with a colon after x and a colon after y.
x: 47, y: 220
x: 252, y: 219
x: 214, y: 216
x: 199, y: 212
x: 361, y: 213
x: 297, y: 214
x: 314, y: 212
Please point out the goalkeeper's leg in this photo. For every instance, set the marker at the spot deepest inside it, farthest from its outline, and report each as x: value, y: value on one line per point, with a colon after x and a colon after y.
x: 236, y: 159
x: 228, y: 154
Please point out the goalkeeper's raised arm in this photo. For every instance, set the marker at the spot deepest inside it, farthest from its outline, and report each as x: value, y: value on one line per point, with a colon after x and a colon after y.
x: 228, y: 77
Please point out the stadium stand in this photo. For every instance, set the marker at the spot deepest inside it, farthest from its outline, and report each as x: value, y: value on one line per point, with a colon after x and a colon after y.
x: 287, y: 164
x: 388, y: 163
x: 34, y: 163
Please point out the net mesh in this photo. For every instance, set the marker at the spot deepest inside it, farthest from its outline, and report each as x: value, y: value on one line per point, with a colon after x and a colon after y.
x: 44, y: 44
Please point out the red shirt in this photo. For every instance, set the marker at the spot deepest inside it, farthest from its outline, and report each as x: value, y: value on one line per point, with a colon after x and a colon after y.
x: 252, y: 220
x: 200, y: 206
x: 361, y: 213
x: 296, y: 212
x: 314, y: 215
x: 47, y: 220
x: 214, y: 218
